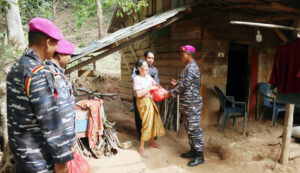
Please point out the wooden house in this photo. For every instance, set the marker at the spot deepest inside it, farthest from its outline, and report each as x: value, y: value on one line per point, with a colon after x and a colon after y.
x: 228, y: 55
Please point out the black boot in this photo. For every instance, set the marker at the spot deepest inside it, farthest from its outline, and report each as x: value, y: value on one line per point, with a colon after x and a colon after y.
x: 190, y: 154
x: 198, y: 159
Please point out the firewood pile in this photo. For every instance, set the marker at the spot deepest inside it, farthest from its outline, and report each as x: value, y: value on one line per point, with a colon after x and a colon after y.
x: 108, y: 143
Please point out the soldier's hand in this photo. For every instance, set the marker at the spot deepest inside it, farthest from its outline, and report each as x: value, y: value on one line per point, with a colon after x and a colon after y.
x: 61, y: 167
x: 167, y: 95
x: 174, y: 82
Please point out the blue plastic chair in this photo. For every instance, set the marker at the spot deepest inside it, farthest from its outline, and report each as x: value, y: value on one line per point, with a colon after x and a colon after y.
x: 230, y: 108
x: 268, y: 102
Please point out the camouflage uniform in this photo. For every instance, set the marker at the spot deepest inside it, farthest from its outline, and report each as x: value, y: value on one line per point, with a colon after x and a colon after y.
x: 65, y: 100
x: 191, y: 104
x: 35, y: 129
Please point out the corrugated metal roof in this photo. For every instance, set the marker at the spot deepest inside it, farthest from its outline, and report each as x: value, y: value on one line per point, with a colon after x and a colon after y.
x: 127, y: 32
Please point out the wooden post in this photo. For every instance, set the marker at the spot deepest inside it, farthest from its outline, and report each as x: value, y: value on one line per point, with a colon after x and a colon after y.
x: 94, y: 66
x: 124, y: 58
x: 287, y: 133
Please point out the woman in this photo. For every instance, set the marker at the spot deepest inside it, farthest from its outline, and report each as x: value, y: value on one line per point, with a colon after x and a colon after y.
x: 151, y: 122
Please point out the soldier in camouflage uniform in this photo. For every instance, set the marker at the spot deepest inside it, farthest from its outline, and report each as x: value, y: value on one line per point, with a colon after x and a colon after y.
x: 36, y: 133
x: 190, y: 104
x: 63, y: 89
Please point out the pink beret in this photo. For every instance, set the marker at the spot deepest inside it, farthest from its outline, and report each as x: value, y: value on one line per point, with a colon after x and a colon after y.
x: 65, y: 47
x: 187, y: 48
x: 45, y: 26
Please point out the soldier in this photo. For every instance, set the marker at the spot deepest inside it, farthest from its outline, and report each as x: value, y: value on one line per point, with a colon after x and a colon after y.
x: 153, y: 72
x: 190, y: 104
x: 36, y: 134
x: 63, y: 89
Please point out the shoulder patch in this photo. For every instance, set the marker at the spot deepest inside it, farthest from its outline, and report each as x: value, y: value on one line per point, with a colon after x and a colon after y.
x: 28, y: 79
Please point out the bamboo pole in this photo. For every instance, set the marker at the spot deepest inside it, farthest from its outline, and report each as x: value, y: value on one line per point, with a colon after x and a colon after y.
x: 264, y: 25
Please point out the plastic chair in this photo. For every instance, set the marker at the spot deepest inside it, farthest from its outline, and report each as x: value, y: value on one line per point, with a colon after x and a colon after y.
x: 230, y: 108
x: 268, y: 102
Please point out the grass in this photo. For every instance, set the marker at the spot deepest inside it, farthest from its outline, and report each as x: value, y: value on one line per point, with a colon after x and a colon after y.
x: 12, y: 52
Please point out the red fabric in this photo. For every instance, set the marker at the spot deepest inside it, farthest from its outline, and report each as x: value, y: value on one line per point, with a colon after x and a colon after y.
x: 55, y: 95
x: 286, y: 68
x: 95, y: 120
x: 254, y: 81
x: 78, y: 164
x: 158, y: 94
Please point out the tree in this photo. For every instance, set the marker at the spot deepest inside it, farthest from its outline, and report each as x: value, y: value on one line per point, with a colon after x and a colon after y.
x: 5, y: 164
x: 55, y: 2
x: 14, y: 25
x: 100, y: 19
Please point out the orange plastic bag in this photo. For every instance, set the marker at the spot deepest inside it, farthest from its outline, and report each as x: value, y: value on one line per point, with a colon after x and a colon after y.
x: 158, y: 94
x: 78, y: 164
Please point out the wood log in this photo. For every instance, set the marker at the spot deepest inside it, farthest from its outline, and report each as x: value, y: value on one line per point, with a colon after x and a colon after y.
x: 287, y: 133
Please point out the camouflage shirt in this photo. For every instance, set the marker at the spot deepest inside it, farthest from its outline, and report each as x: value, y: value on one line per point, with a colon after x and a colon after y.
x: 36, y: 133
x: 188, y: 87
x: 65, y: 100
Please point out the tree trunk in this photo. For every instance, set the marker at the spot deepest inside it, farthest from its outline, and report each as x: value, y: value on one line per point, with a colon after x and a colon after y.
x: 55, y: 2
x: 14, y: 25
x: 7, y: 158
x: 100, y: 17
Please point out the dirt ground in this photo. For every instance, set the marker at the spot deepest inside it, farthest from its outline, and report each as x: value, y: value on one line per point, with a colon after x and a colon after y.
x: 225, y: 152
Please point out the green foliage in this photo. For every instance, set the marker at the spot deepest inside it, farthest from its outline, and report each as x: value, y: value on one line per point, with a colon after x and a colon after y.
x: 128, y: 7
x: 3, y: 4
x: 87, y: 9
x: 35, y: 8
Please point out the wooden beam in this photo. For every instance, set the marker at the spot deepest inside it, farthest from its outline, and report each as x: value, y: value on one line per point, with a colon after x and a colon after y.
x: 124, y: 58
x: 280, y: 35
x: 272, y: 18
x: 287, y: 133
x: 281, y: 7
x: 125, y: 44
x: 273, y: 6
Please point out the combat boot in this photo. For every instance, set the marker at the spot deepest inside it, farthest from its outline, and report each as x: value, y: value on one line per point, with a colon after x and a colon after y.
x: 190, y: 154
x: 198, y: 159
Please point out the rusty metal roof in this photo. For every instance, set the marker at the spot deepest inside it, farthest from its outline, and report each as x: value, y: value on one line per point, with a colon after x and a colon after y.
x: 104, y: 44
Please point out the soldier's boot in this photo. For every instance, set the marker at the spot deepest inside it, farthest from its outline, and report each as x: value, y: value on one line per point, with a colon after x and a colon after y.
x: 190, y: 154
x: 198, y: 159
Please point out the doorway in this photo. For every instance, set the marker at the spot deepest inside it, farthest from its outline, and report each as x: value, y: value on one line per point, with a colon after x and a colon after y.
x: 237, y: 76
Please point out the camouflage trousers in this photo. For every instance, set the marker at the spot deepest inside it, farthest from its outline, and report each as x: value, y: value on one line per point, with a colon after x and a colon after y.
x: 191, y: 119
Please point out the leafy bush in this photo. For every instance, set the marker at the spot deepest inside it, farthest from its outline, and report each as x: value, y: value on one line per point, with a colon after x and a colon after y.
x: 35, y: 8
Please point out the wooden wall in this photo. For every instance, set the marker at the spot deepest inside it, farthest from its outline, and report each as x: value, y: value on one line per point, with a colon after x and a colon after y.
x: 210, y: 33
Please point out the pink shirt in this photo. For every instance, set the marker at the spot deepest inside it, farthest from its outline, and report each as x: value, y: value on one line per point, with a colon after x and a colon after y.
x: 140, y: 83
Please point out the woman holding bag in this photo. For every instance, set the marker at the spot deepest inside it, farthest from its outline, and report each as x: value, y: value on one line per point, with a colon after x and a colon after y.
x: 151, y: 121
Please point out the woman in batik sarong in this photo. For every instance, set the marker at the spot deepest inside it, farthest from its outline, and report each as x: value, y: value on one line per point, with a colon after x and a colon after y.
x: 151, y: 121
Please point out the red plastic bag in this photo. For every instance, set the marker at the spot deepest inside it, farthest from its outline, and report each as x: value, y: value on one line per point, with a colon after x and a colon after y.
x: 158, y: 94
x: 78, y: 164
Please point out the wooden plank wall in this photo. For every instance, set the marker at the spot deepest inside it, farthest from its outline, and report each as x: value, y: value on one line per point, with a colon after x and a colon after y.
x: 209, y: 34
